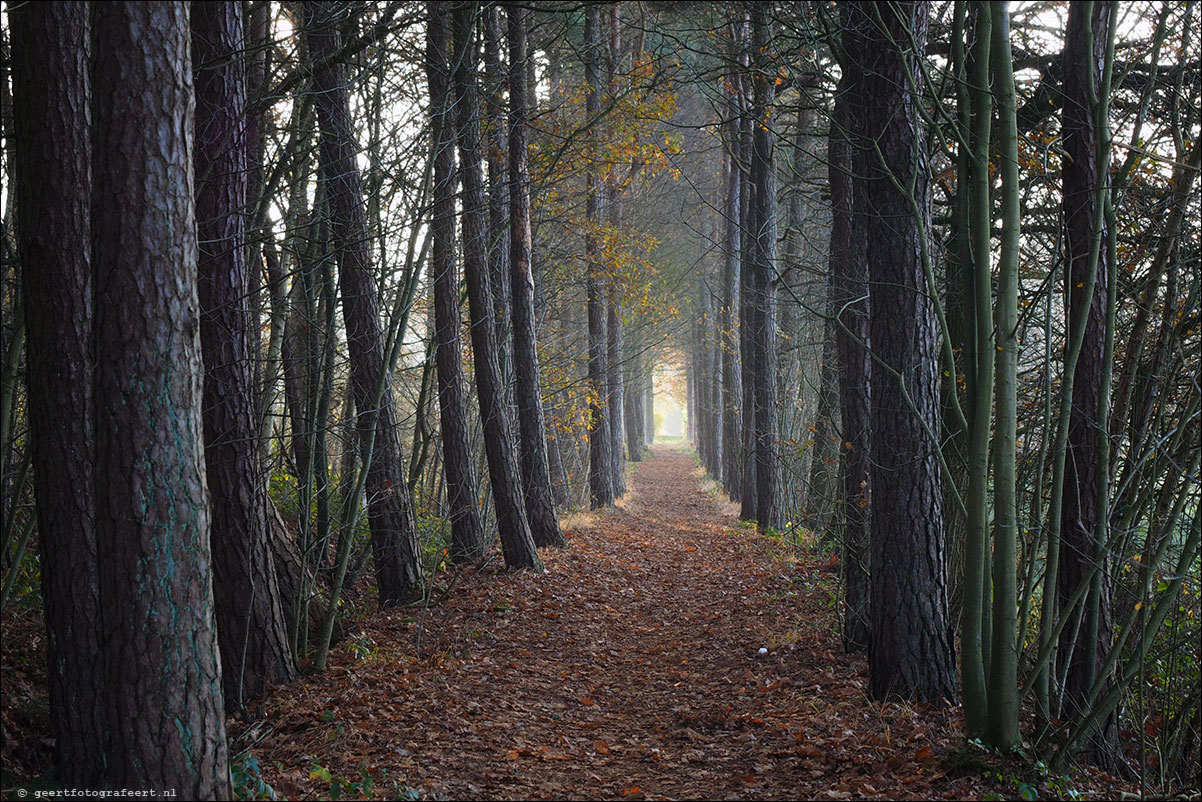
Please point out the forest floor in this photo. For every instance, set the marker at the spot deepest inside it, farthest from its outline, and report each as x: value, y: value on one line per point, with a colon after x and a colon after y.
x: 668, y: 653
x: 632, y: 669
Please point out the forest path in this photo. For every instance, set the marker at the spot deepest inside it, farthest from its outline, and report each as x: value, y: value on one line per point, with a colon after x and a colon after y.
x: 630, y: 670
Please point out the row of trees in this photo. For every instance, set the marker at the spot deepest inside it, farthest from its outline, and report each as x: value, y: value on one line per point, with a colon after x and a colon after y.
x: 997, y: 299
x: 939, y: 260
x: 201, y: 453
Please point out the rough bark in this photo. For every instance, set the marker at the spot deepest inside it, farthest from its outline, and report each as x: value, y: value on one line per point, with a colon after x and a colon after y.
x: 849, y: 304
x: 390, y: 509
x: 250, y: 620
x: 467, y: 530
x: 732, y: 387
x: 614, y: 340
x: 910, y: 652
x: 504, y: 475
x: 496, y: 152
x: 52, y: 162
x: 536, y: 478
x: 747, y: 309
x: 1081, y: 531
x: 601, y: 488
x: 763, y: 271
x: 159, y: 640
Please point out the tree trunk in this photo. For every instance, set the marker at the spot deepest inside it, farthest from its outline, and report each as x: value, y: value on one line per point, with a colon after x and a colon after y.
x: 52, y: 150
x: 467, y: 530
x: 849, y: 301
x: 536, y: 477
x: 613, y: 356
x: 824, y: 452
x: 496, y: 152
x: 390, y: 509
x: 614, y: 388
x: 634, y: 389
x: 251, y: 628
x: 649, y: 406
x: 732, y: 385
x: 747, y: 308
x: 1082, y: 529
x: 600, y: 461
x: 1002, y: 728
x: 978, y: 225
x: 910, y: 653
x: 516, y: 540
x: 159, y: 643
x: 763, y: 270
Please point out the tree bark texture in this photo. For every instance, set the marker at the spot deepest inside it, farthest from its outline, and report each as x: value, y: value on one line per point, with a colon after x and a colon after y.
x: 911, y: 652
x: 849, y: 304
x: 467, y: 530
x: 614, y: 340
x: 536, y: 477
x: 763, y: 272
x: 504, y: 475
x: 601, y: 487
x: 54, y: 185
x: 728, y: 319
x: 390, y: 509
x: 251, y: 628
x: 159, y: 640
x: 1080, y: 546
x: 748, y: 496
x: 498, y: 193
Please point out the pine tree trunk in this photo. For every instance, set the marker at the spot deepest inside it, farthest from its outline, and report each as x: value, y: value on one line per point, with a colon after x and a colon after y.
x: 849, y: 299
x: 496, y: 151
x: 159, y: 645
x: 825, y: 453
x: 633, y: 409
x: 910, y: 654
x: 600, y: 460
x: 516, y: 540
x: 732, y: 389
x: 390, y: 509
x: 251, y: 627
x: 613, y: 384
x: 536, y: 478
x: 613, y: 206
x: 52, y: 149
x: 763, y: 271
x: 1082, y: 528
x: 748, y: 496
x: 649, y: 407
x: 467, y: 530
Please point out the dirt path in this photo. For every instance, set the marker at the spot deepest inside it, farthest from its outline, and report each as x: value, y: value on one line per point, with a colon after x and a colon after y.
x: 632, y: 669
